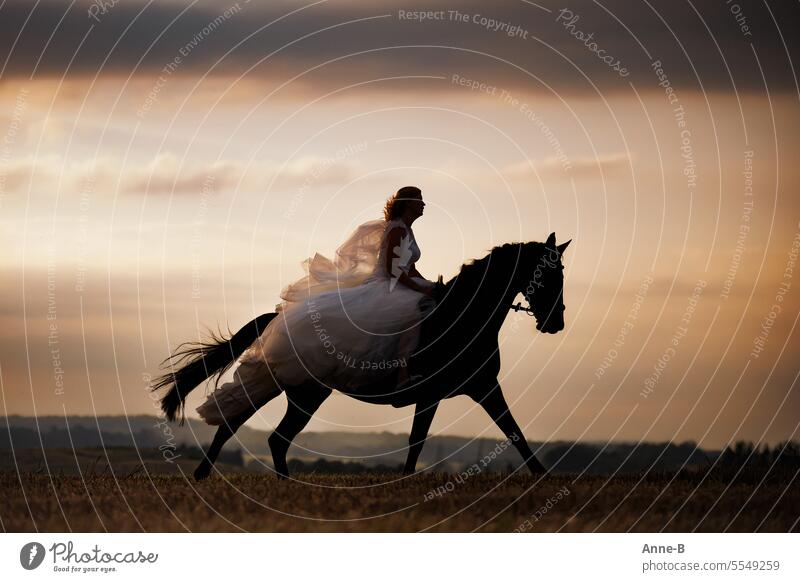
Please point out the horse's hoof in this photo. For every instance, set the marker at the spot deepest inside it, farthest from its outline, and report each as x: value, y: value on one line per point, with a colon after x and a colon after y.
x: 202, y: 472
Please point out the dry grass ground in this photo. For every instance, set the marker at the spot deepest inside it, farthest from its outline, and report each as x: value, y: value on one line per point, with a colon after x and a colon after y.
x: 375, y: 503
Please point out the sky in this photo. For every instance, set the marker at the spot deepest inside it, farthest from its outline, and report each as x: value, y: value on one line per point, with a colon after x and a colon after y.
x: 166, y: 167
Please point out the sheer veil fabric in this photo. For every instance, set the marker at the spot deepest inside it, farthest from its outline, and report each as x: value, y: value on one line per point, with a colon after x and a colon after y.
x: 346, y: 323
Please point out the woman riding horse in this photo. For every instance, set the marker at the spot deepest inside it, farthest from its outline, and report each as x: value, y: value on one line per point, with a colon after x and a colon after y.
x: 352, y: 324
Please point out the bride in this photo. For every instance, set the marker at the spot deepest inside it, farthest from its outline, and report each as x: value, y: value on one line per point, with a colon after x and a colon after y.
x: 349, y: 323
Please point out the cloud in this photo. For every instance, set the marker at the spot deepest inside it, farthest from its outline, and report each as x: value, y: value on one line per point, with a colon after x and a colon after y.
x: 167, y: 174
x: 132, y: 38
x: 48, y: 130
x: 600, y: 166
x: 17, y: 174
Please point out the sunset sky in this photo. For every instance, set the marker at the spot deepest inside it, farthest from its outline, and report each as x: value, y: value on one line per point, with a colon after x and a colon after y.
x: 165, y: 167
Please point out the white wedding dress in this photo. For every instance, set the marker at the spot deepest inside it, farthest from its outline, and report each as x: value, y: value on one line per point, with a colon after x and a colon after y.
x: 347, y: 324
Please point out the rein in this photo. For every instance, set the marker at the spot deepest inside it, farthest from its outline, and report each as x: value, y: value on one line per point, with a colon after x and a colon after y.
x: 518, y: 307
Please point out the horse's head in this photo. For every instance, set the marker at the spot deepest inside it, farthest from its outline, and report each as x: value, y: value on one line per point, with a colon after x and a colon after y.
x: 543, y: 287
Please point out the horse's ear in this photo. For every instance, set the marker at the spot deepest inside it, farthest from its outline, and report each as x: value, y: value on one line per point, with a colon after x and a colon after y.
x: 562, y: 247
x: 551, y: 241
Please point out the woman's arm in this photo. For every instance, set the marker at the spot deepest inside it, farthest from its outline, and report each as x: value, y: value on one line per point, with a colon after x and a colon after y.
x: 393, y: 240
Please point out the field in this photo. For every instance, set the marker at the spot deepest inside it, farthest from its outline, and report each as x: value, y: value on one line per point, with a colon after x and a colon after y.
x: 389, y: 503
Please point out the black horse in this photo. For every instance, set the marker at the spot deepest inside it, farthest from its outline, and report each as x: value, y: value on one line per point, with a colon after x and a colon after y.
x: 458, y: 354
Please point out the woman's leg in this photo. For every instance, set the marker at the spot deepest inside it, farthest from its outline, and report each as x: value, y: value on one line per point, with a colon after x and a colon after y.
x: 406, y: 344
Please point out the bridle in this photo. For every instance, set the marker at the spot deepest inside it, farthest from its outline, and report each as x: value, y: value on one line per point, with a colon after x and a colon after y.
x: 519, y: 307
x: 529, y: 310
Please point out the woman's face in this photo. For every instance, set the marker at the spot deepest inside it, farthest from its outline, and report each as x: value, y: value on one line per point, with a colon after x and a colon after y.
x: 415, y: 206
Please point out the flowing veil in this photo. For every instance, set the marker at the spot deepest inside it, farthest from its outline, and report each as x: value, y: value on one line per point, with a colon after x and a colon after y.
x: 353, y: 264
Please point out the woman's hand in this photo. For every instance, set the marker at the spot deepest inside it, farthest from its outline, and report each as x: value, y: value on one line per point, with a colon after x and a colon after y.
x: 425, y: 287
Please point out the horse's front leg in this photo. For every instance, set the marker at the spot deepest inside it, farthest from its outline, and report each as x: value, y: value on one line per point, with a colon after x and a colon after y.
x: 224, y: 432
x: 423, y: 416
x: 495, y: 405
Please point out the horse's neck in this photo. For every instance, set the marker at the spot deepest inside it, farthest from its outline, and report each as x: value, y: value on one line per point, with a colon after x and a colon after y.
x: 497, y: 317
x: 500, y: 292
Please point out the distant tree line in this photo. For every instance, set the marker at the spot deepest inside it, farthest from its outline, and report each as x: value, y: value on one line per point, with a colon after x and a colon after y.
x: 323, y: 466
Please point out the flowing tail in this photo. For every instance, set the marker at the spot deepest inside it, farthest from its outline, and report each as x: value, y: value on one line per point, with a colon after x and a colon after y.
x: 201, y: 360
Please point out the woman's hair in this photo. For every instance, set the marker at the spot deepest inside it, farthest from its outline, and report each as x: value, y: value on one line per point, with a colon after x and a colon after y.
x: 396, y: 205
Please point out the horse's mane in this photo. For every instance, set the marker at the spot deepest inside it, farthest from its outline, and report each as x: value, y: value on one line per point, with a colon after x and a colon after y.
x: 505, y: 255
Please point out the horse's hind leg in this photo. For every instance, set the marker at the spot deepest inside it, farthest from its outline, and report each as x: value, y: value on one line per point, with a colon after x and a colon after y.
x: 224, y: 432
x: 250, y: 371
x: 303, y: 402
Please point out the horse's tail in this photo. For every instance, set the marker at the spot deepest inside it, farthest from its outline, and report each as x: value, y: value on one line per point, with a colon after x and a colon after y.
x: 201, y: 360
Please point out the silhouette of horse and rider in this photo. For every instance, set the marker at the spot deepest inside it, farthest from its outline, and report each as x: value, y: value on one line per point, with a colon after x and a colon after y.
x: 457, y: 354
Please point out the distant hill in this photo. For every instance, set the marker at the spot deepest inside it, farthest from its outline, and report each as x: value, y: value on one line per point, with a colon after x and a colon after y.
x: 157, y: 440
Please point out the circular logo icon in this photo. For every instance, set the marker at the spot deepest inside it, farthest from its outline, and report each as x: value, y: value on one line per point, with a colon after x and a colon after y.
x: 31, y: 555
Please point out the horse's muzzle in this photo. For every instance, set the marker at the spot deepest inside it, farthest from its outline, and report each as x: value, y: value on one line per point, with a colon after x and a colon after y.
x: 548, y: 327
